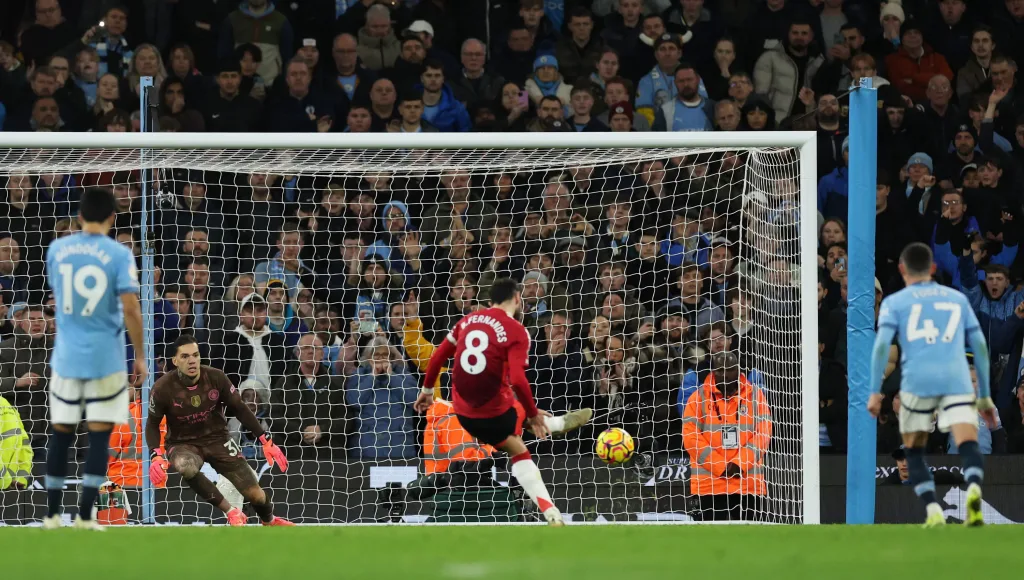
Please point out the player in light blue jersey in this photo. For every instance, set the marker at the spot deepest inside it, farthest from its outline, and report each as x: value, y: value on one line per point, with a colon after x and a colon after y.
x: 95, y: 287
x: 932, y: 323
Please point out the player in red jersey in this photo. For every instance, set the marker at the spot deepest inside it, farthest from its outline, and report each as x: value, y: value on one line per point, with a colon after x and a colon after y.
x: 491, y: 350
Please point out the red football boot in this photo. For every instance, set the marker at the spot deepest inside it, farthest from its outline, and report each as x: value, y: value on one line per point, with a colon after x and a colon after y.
x: 237, y: 518
x: 278, y: 522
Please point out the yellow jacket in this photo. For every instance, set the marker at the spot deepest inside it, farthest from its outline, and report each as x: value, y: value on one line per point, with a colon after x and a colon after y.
x: 15, y: 451
x: 419, y: 349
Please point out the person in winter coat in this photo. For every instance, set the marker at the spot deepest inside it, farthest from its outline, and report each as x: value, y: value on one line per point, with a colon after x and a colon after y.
x: 833, y: 189
x: 547, y: 82
x: 780, y: 73
x: 440, y: 107
x: 258, y: 22
x: 382, y: 392
x: 915, y: 63
x: 378, y: 46
x: 307, y: 404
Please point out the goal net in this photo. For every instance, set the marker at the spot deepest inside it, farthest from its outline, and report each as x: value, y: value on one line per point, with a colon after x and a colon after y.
x: 639, y: 266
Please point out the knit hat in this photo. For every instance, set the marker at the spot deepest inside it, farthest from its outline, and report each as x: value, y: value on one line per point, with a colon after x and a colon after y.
x: 892, y: 9
x: 539, y: 277
x: 921, y: 159
x: 545, y: 60
x: 967, y: 128
x: 621, y: 108
x: 907, y: 26
x: 664, y: 38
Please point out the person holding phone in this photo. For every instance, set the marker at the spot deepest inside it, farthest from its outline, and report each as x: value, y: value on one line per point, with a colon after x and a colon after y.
x: 107, y: 38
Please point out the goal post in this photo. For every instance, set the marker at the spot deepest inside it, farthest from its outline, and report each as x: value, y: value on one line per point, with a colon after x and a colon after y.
x: 774, y: 207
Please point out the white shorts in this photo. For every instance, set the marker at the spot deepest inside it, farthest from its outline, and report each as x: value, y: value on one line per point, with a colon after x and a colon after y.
x: 918, y: 414
x: 103, y: 400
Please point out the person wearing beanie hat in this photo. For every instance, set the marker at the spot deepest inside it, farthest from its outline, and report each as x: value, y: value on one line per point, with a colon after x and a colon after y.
x: 620, y: 117
x: 892, y: 18
x: 915, y: 63
x: 658, y: 86
x: 922, y: 160
x: 834, y: 188
x: 547, y: 81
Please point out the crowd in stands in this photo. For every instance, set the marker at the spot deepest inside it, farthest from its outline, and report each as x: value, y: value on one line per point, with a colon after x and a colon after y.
x: 316, y: 293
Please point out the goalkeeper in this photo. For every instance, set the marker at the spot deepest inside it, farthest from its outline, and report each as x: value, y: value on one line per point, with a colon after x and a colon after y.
x: 193, y: 399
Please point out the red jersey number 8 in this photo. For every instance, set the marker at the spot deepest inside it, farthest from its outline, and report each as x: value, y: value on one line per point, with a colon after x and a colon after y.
x: 472, y: 359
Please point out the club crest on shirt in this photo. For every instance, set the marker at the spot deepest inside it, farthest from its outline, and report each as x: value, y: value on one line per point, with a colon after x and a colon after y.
x: 214, y: 395
x: 196, y: 400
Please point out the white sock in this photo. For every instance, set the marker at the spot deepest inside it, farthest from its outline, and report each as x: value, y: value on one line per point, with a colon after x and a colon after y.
x: 933, y: 508
x: 528, y: 476
x: 555, y: 424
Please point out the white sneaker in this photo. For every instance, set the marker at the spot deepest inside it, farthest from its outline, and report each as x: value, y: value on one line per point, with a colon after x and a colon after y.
x: 53, y: 522
x: 554, y: 517
x: 81, y: 524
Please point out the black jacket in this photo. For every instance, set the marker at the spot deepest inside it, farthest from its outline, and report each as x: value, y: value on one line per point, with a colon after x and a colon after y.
x: 233, y: 354
x: 238, y: 115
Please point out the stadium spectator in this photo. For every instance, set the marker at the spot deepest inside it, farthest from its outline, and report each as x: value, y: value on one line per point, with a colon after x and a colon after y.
x: 173, y: 105
x: 688, y: 111
x: 973, y: 74
x: 383, y: 107
x: 258, y: 22
x: 378, y: 46
x: 48, y: 34
x: 915, y: 63
x: 281, y: 316
x: 441, y: 109
x: 286, y: 264
x: 250, y: 350
x: 476, y: 84
x: 579, y: 52
x: 381, y: 393
x: 300, y: 109
x: 517, y: 57
x: 25, y: 372
x: 657, y: 87
x: 787, y: 72
x: 307, y: 404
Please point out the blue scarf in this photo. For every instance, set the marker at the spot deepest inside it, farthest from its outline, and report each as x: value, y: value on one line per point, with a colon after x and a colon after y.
x: 103, y: 48
x: 547, y: 89
x: 598, y: 81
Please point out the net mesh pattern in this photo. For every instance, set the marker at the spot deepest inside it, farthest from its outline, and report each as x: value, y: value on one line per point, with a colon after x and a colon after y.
x: 637, y: 267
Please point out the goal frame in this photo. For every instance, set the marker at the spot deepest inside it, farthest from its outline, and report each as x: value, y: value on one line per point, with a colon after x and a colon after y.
x: 804, y: 141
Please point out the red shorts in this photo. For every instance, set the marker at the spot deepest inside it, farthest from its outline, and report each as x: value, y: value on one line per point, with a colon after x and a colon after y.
x: 495, y: 430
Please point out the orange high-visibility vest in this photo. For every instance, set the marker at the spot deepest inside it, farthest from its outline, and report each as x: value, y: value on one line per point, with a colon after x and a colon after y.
x: 125, y: 465
x: 446, y: 441
x: 719, y: 430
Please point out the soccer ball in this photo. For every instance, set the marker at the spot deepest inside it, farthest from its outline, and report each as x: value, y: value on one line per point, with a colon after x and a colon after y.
x: 614, y: 446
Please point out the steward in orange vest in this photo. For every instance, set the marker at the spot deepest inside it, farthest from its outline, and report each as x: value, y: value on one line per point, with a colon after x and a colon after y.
x: 125, y: 465
x: 727, y: 427
x: 445, y: 440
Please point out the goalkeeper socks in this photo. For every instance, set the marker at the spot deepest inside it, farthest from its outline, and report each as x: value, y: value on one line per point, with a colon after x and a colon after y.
x: 56, y: 470
x: 528, y: 475
x: 205, y: 489
x: 94, y: 472
x: 973, y: 462
x: 920, y: 475
x: 264, y: 510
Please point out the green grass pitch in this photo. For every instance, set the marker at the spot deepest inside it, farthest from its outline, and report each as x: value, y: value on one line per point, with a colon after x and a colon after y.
x: 515, y: 552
